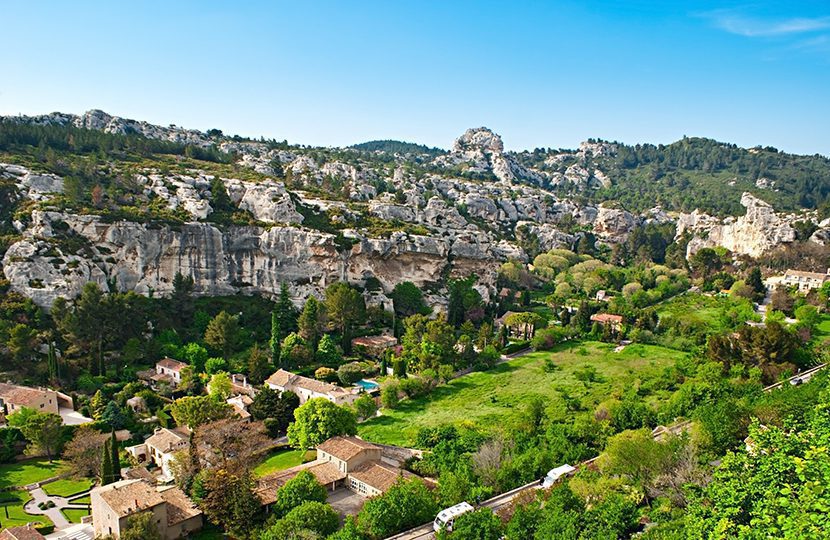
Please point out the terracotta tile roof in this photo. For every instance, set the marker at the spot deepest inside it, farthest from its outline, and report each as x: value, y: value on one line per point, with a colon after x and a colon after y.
x: 23, y: 395
x: 375, y: 341
x: 378, y: 475
x: 179, y: 507
x: 21, y: 533
x: 324, y: 471
x: 129, y: 496
x: 165, y: 439
x: 169, y: 363
x: 284, y: 379
x: 603, y: 318
x: 345, y: 448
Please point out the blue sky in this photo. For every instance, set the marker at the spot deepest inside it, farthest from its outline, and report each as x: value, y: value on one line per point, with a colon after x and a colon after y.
x: 336, y: 72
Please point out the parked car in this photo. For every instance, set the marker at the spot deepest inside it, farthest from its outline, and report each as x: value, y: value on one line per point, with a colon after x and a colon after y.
x: 554, y: 475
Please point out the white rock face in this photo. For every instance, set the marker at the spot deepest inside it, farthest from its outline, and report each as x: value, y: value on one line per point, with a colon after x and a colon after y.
x: 142, y: 258
x: 753, y: 234
x: 36, y: 187
x: 614, y: 224
x: 268, y: 201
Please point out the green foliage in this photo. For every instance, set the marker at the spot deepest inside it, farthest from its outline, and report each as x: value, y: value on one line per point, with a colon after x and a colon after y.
x: 141, y: 526
x: 302, y: 488
x: 406, y: 504
x: 365, y: 406
x: 319, y: 419
x: 222, y: 333
x: 481, y: 524
x: 408, y: 300
x: 316, y: 518
x: 193, y: 411
x: 43, y: 431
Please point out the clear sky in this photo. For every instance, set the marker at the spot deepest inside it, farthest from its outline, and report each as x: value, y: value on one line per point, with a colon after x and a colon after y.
x: 339, y: 72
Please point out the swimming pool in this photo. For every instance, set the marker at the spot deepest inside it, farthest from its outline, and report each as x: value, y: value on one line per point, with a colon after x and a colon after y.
x: 367, y: 386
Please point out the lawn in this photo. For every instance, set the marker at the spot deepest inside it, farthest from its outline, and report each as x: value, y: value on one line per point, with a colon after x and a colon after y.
x: 12, y: 504
x: 28, y: 472
x: 822, y: 330
x: 282, y: 459
x: 489, y: 398
x: 74, y: 515
x: 81, y: 500
x: 66, y: 487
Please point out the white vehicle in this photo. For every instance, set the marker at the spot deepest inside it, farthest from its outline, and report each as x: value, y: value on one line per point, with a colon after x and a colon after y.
x: 446, y: 517
x: 554, y: 475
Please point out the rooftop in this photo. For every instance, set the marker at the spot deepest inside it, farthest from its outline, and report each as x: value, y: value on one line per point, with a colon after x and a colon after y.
x: 284, y: 378
x: 375, y: 341
x: 802, y: 273
x: 129, y: 496
x: 23, y: 395
x: 324, y: 471
x: 379, y: 475
x: 345, y: 448
x: 179, y: 507
x: 26, y: 532
x: 165, y: 439
x: 606, y: 317
x: 170, y: 363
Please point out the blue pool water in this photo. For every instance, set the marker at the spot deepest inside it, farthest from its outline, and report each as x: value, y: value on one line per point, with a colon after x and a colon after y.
x: 367, y: 385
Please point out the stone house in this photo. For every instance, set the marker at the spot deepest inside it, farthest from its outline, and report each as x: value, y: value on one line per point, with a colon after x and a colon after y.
x: 14, y: 397
x: 26, y: 532
x: 167, y: 367
x: 362, y: 462
x: 174, y: 514
x: 607, y: 319
x: 307, y: 388
x: 375, y: 345
x: 160, y: 449
x: 805, y: 281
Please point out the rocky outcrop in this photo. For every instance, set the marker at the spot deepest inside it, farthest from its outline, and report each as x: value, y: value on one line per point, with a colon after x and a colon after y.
x: 268, y: 201
x: 145, y: 259
x: 36, y: 187
x: 753, y: 234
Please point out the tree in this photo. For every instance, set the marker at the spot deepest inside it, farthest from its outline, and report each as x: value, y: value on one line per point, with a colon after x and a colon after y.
x: 229, y: 500
x: 389, y: 395
x: 221, y: 333
x: 349, y: 531
x: 313, y: 517
x: 141, y: 526
x: 181, y: 300
x: 406, y: 504
x: 107, y: 476
x: 113, y: 416
x: 756, y: 282
x: 807, y: 316
x: 408, y: 300
x: 365, y: 406
x: 215, y: 365
x: 195, y: 355
x: 232, y: 444
x: 344, y: 308
x: 350, y: 373
x: 115, y: 458
x: 193, y: 411
x: 481, y: 524
x: 286, y: 313
x: 276, y: 409
x: 635, y: 454
x: 327, y: 352
x: 309, y: 322
x: 85, y: 450
x: 276, y: 338
x: 44, y: 431
x: 302, y: 488
x: 258, y: 366
x: 317, y: 420
x: 220, y: 386
x: 464, y: 301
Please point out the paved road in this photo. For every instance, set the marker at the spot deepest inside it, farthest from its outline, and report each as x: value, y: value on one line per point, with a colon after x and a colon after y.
x: 425, y: 531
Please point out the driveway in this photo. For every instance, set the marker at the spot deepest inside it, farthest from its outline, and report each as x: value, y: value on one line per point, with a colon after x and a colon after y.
x: 346, y: 502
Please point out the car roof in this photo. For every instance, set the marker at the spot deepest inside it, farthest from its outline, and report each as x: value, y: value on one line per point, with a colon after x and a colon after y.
x: 562, y: 469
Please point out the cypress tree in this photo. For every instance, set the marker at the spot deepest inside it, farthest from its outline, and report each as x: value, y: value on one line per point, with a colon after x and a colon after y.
x: 115, y: 459
x: 106, y: 464
x: 274, y: 344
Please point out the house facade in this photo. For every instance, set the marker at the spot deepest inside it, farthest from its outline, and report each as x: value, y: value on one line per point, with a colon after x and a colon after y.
x: 14, y: 397
x: 173, y: 513
x: 307, y: 388
x: 362, y: 462
x: 805, y: 281
x: 161, y: 448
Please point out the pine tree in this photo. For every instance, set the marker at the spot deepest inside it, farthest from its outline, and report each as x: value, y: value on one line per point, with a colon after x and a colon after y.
x: 106, y: 463
x: 286, y: 313
x: 309, y: 322
x: 115, y: 458
x: 274, y: 343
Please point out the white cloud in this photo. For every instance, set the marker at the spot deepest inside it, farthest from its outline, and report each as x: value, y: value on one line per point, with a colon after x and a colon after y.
x: 742, y: 25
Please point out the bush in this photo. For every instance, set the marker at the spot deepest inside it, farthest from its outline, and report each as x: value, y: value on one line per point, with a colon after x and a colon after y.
x: 350, y: 373
x: 547, y: 338
x: 325, y: 374
x: 516, y: 346
x: 389, y: 395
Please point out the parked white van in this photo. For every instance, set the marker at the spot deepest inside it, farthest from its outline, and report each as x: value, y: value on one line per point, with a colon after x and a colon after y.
x: 446, y: 517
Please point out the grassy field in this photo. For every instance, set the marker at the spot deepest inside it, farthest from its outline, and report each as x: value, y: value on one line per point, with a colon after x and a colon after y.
x: 490, y: 398
x: 822, y: 330
x: 67, y: 487
x: 28, y: 472
x: 695, y: 309
x: 282, y: 459
x: 81, y: 500
x: 74, y: 515
x: 13, y: 502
